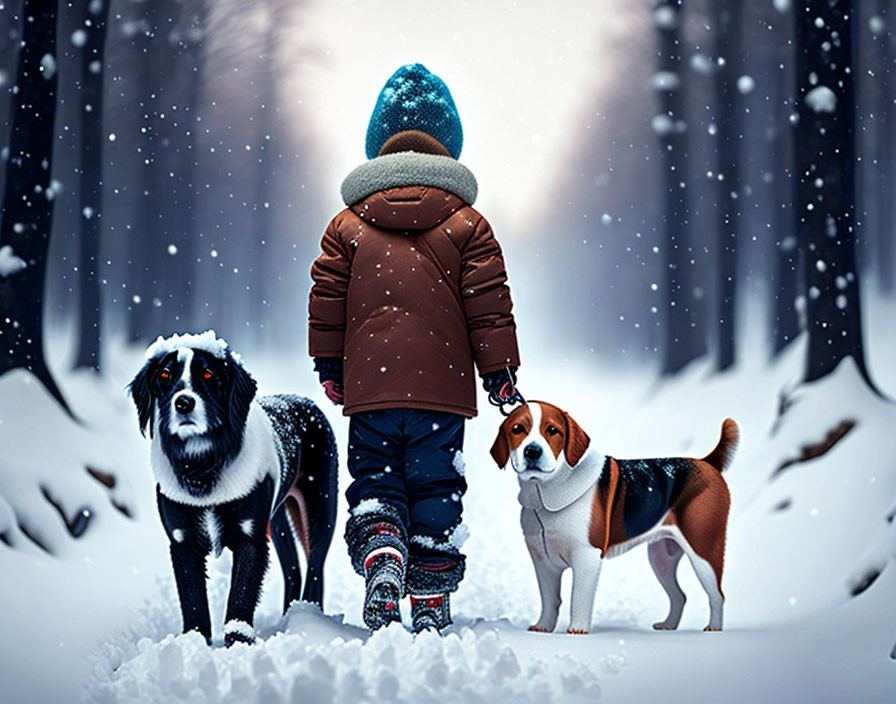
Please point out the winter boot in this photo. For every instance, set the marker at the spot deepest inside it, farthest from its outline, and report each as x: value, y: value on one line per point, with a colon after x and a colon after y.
x: 384, y: 576
x: 430, y: 612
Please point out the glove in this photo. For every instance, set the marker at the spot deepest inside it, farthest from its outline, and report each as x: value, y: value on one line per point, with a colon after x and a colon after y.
x: 497, y: 382
x: 329, y: 371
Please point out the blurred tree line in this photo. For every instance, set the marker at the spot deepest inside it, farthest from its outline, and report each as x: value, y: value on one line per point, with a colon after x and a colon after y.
x: 147, y: 137
x: 814, y: 57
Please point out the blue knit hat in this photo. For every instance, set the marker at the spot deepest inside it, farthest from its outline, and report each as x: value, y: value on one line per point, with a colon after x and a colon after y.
x: 415, y: 99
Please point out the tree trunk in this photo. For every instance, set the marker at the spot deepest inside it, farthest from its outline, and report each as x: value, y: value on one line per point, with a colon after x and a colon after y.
x: 263, y: 243
x: 825, y: 159
x: 786, y: 285
x: 729, y: 14
x: 884, y: 153
x: 27, y: 211
x: 96, y: 14
x: 684, y: 335
x: 142, y: 238
x: 193, y: 49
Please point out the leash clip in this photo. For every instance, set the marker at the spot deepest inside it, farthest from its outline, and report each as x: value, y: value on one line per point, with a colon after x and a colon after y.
x: 507, y: 395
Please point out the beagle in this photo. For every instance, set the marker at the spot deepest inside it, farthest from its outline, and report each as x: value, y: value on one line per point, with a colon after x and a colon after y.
x: 579, y: 506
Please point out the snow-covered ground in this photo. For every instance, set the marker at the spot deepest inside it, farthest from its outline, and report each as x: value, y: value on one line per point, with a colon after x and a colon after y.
x: 98, y: 619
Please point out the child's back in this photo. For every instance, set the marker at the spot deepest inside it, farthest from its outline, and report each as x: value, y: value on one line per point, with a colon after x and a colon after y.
x: 409, y: 290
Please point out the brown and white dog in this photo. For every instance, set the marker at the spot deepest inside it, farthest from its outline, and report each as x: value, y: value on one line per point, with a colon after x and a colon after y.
x: 579, y: 507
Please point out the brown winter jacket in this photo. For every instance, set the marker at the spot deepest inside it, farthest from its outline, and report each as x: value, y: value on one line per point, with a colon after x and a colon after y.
x: 410, y: 288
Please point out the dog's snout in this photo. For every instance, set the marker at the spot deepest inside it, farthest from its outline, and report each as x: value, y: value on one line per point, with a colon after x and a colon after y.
x: 184, y: 404
x: 532, y: 452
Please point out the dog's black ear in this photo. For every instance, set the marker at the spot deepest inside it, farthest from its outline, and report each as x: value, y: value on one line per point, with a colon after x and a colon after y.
x: 141, y: 393
x: 501, y: 448
x: 577, y: 441
x: 242, y: 391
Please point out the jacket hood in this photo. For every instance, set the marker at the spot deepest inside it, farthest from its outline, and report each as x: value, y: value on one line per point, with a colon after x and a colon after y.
x: 409, y: 169
x: 412, y: 208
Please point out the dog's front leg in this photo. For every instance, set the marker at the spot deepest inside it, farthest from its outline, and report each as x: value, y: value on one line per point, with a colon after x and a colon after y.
x: 188, y: 562
x: 250, y: 561
x: 188, y: 550
x: 586, y: 565
x: 549, y: 586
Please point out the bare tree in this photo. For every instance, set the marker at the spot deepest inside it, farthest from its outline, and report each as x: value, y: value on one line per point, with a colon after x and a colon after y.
x: 825, y: 144
x: 786, y: 274
x: 28, y: 199
x: 142, y: 245
x: 96, y: 15
x: 883, y: 190
x: 728, y: 22
x: 684, y: 335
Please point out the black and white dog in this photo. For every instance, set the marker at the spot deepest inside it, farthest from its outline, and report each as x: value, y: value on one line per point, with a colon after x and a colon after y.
x: 230, y: 470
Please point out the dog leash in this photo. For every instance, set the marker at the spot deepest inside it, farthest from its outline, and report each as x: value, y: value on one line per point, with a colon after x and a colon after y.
x: 507, y: 395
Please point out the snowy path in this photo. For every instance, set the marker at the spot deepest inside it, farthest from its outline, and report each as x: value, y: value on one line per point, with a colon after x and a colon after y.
x: 793, y: 633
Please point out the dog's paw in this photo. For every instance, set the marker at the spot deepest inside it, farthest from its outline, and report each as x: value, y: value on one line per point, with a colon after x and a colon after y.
x: 661, y: 626
x: 577, y: 631
x: 236, y: 631
x: 712, y: 630
x: 234, y: 638
x: 539, y: 629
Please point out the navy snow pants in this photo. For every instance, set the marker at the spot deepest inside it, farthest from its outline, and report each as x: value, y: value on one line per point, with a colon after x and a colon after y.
x: 407, y: 469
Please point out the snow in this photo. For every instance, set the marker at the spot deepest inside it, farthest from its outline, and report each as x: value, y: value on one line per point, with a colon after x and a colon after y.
x: 665, y: 80
x: 9, y: 263
x: 241, y: 627
x: 79, y: 37
x: 800, y: 543
x: 48, y: 66
x: 702, y: 64
x: 663, y: 125
x: 746, y: 84
x: 458, y: 463
x: 459, y: 535
x: 366, y: 506
x: 821, y: 99
x: 206, y: 341
x: 664, y: 17
x: 334, y: 661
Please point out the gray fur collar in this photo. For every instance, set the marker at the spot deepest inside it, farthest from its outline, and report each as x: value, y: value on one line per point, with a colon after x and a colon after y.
x: 409, y: 169
x: 565, y: 485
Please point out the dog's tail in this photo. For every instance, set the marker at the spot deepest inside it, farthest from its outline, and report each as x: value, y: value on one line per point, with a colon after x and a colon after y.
x: 723, y: 453
x: 317, y: 484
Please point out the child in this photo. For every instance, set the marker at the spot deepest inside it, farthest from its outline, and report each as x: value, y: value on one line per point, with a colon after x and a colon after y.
x: 409, y: 290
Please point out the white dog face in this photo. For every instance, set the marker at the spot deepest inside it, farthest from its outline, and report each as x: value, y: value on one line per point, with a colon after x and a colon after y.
x: 187, y: 416
x: 537, y: 439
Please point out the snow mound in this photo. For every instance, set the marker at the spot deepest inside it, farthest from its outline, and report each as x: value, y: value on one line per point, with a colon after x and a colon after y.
x: 317, y: 658
x: 59, y: 478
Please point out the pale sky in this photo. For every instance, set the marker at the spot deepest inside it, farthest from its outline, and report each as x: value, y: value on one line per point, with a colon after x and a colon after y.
x: 520, y: 74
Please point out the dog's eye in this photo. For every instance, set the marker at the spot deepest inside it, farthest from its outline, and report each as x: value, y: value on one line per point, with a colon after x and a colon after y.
x: 165, y: 374
x: 553, y: 431
x: 517, y: 429
x: 207, y: 375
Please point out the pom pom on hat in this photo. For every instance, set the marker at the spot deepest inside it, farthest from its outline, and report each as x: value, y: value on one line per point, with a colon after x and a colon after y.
x: 415, y: 99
